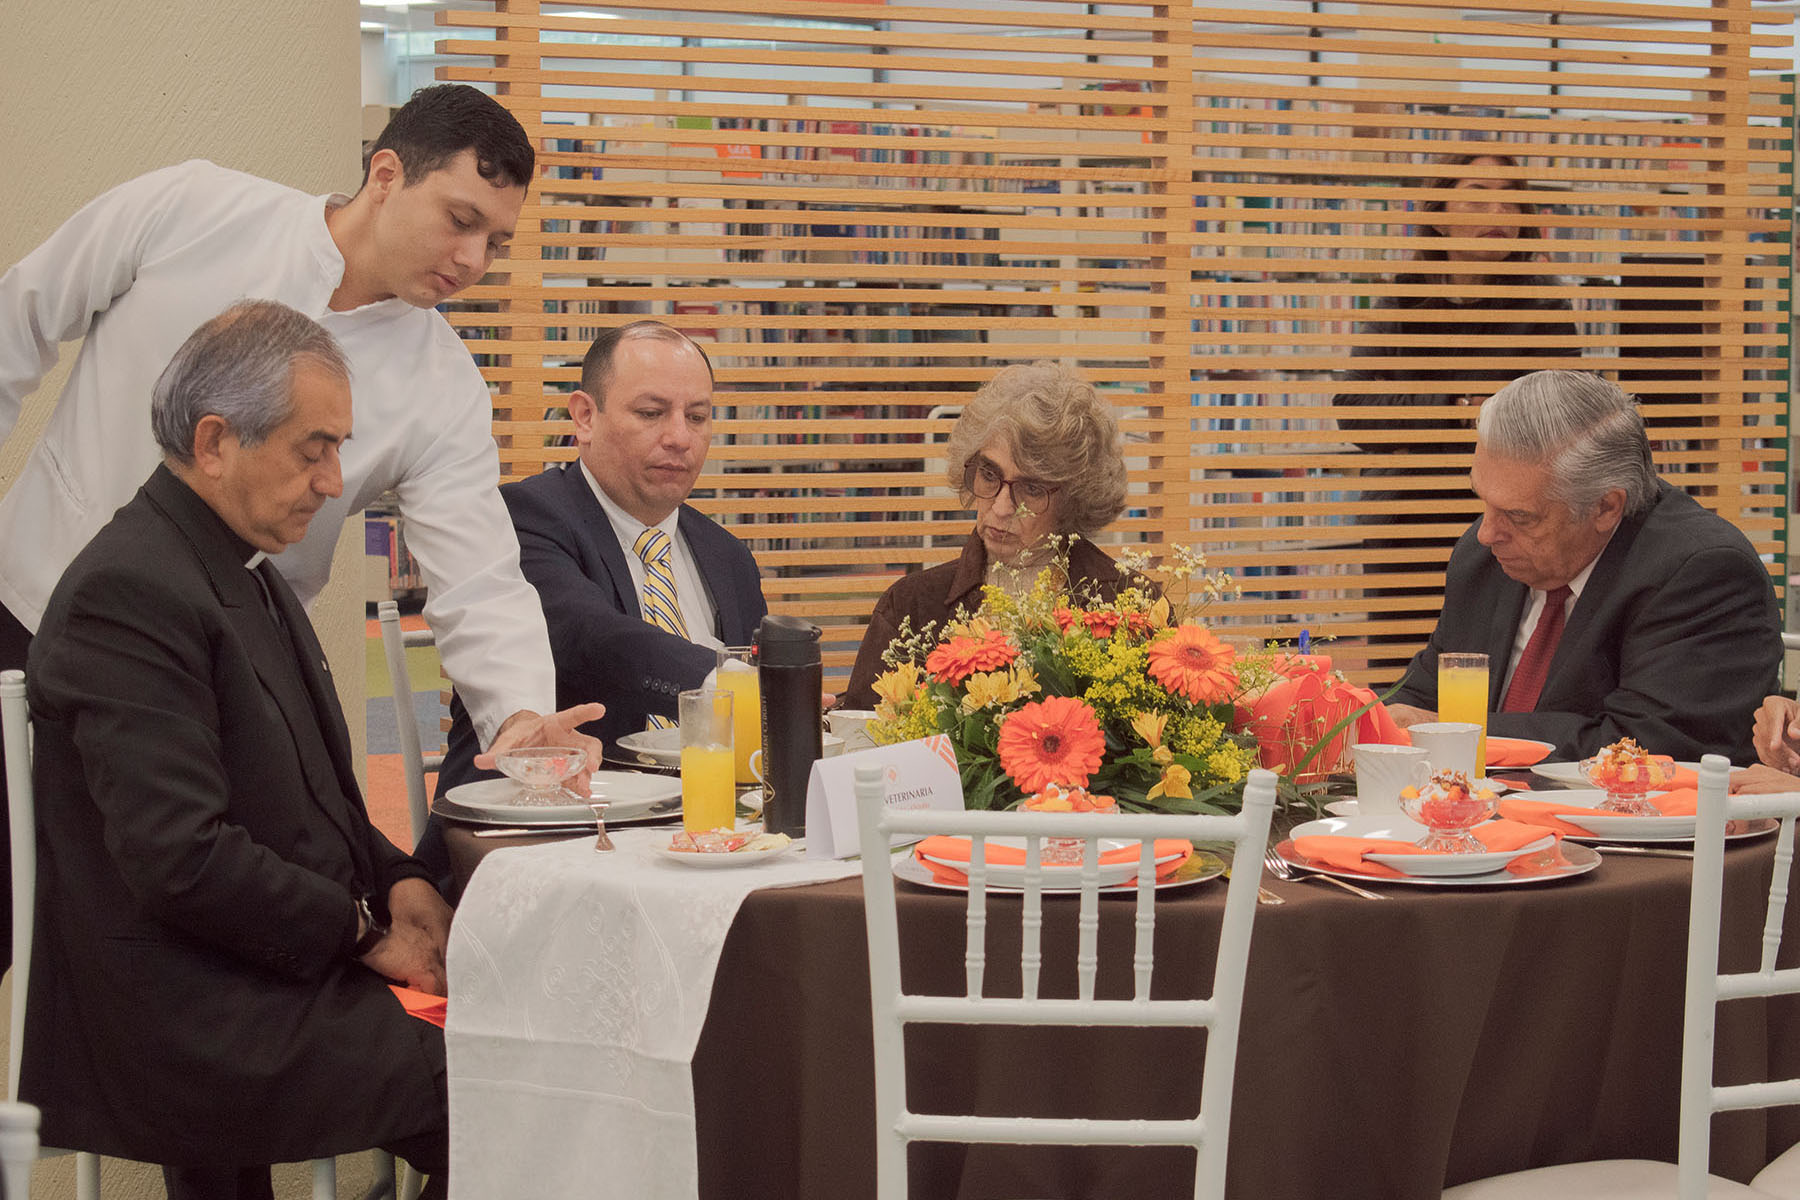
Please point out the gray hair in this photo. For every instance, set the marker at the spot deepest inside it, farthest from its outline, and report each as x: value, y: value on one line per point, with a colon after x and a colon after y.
x: 239, y: 366
x: 1586, y: 430
x: 1060, y: 430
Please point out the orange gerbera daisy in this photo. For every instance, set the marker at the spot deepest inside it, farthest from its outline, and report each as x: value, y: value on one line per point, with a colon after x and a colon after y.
x: 961, y: 657
x: 1054, y: 740
x: 1193, y: 663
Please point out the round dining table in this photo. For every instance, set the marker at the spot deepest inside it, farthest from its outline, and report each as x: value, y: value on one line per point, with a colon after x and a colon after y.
x: 1388, y: 1048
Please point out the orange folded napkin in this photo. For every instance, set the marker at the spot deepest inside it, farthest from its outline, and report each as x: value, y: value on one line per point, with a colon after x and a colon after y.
x: 422, y: 1005
x: 957, y: 849
x: 1514, y: 752
x: 1347, y: 853
x: 1542, y: 810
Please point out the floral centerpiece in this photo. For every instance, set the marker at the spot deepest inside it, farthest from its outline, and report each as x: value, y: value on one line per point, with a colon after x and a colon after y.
x: 1134, y: 697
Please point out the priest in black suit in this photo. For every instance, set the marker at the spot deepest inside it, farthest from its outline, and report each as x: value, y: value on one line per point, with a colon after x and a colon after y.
x: 217, y: 919
x: 604, y: 537
x: 1609, y: 603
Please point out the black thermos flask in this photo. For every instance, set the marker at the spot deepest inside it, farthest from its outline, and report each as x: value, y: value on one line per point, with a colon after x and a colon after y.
x: 791, y: 678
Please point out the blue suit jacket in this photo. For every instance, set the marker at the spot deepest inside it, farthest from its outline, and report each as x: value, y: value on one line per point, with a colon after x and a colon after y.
x: 604, y: 649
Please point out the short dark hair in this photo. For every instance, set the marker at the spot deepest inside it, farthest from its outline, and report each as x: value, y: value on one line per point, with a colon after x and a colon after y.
x: 442, y: 121
x: 596, y: 365
x: 239, y: 366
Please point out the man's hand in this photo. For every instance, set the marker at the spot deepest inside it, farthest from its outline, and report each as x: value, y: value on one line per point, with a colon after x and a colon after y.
x: 526, y: 728
x: 1762, y: 778
x: 1406, y: 715
x: 1777, y: 735
x: 413, y: 951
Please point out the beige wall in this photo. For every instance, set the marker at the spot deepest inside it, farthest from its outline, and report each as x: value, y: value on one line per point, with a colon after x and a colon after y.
x: 99, y: 91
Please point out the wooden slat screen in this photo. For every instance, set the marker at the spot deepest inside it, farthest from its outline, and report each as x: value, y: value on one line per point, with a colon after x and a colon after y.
x: 1212, y: 212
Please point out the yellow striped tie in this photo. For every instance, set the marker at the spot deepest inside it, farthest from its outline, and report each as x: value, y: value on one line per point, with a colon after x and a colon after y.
x: 658, y: 600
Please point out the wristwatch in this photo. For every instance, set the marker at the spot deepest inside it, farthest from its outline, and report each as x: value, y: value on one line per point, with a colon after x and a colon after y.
x: 373, y: 930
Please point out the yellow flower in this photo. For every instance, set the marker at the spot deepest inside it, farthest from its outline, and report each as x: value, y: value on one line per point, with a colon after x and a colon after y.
x: 1174, y: 783
x: 1160, y: 613
x: 1162, y: 756
x: 1149, y: 726
x: 987, y: 689
x: 897, y: 689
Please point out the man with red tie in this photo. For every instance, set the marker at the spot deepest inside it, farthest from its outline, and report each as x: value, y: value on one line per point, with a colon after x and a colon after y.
x: 1609, y: 603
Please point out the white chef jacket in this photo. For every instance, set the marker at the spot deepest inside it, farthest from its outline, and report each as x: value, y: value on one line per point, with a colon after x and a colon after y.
x: 139, y: 269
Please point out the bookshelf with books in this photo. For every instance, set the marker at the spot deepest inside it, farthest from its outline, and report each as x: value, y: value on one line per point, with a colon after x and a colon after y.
x: 867, y: 209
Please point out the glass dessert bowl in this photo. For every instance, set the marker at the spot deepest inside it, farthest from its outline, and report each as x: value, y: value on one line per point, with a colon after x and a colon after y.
x: 1449, y: 806
x: 1627, y: 773
x: 1057, y: 798
x: 541, y: 771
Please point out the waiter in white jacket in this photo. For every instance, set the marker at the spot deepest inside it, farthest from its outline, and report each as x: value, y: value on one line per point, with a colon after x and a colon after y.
x: 140, y: 267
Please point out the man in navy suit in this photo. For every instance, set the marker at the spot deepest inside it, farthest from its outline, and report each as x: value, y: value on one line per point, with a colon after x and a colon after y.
x: 1609, y: 603
x: 643, y: 422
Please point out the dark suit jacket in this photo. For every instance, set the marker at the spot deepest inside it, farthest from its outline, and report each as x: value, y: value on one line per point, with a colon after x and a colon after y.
x: 1674, y: 641
x: 604, y: 649
x: 201, y: 842
x: 935, y: 594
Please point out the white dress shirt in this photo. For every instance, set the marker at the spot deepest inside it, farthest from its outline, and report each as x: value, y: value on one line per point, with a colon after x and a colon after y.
x: 690, y: 590
x: 142, y: 266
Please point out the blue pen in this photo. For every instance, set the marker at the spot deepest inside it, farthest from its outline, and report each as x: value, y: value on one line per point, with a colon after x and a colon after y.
x: 1305, y: 641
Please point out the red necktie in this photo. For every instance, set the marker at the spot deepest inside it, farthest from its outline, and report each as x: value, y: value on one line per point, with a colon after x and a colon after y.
x: 1534, y: 664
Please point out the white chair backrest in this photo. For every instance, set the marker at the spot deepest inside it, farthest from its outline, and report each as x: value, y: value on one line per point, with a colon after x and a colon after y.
x: 18, y: 1147
x: 22, y: 824
x: 413, y: 758
x: 1706, y: 987
x: 896, y: 1126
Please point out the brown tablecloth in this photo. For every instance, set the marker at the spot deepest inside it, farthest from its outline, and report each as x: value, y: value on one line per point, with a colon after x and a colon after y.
x: 1388, y: 1048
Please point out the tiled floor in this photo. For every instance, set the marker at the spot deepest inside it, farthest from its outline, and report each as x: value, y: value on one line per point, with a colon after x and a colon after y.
x: 387, y: 784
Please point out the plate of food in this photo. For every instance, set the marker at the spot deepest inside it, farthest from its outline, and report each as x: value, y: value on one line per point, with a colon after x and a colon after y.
x: 720, y: 850
x: 1199, y: 867
x: 1421, y: 865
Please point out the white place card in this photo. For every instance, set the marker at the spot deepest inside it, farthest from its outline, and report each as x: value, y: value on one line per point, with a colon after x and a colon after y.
x: 921, y: 774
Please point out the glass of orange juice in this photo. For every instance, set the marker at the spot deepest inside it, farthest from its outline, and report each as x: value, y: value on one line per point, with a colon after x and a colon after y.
x: 737, y: 675
x: 708, y: 792
x: 1463, y: 695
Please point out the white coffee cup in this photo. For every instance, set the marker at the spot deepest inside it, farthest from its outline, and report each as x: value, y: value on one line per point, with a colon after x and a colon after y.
x: 1450, y: 745
x: 849, y: 724
x: 1381, y: 771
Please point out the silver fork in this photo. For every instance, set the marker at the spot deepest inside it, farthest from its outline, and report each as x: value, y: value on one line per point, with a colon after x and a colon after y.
x: 1282, y: 869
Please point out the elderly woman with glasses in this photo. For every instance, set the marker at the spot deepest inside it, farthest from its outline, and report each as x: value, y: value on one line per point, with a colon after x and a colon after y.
x: 1038, y: 454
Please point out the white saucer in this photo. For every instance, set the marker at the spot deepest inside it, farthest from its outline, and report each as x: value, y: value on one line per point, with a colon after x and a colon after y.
x: 1423, y: 866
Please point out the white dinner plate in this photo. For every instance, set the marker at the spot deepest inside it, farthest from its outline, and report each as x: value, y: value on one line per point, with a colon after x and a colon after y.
x: 628, y: 794
x: 722, y: 862
x: 662, y: 747
x: 1571, y: 772
x: 1432, y: 866
x: 1579, y: 861
x: 1606, y: 826
x: 1199, y: 867
x: 1065, y: 876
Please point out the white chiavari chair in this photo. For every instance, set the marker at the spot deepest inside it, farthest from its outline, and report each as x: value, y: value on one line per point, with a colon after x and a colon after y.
x: 897, y: 1126
x: 1700, y: 1098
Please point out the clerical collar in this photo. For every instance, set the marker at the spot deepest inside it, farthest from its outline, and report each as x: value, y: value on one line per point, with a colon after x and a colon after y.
x: 255, y: 560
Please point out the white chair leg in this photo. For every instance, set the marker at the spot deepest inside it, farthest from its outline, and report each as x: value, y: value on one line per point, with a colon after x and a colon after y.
x: 384, y: 1182
x: 87, y: 1176
x: 324, y: 1179
x: 18, y: 1147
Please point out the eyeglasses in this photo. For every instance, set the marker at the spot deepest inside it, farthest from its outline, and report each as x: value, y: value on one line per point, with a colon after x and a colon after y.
x: 984, y: 480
